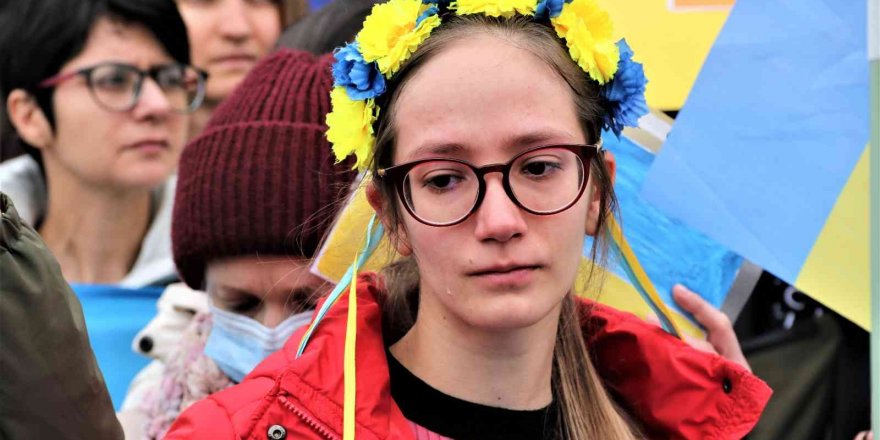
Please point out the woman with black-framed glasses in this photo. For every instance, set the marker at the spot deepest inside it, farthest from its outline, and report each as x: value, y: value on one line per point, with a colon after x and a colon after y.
x: 103, y: 114
x: 117, y: 86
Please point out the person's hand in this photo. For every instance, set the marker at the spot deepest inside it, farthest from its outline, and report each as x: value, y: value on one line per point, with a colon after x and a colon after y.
x: 864, y: 435
x: 720, y: 337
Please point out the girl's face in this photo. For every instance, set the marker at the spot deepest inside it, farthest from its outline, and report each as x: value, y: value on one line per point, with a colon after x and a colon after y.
x: 268, y: 289
x: 483, y: 100
x: 228, y: 37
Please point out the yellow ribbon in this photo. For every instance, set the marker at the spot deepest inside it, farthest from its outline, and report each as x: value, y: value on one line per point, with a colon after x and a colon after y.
x: 350, y: 379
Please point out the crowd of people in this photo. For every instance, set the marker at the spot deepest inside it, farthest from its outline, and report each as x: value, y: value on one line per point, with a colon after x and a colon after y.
x: 206, y: 146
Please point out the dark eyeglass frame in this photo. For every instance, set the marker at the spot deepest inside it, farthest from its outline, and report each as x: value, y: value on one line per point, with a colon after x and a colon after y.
x: 153, y: 72
x: 396, y: 174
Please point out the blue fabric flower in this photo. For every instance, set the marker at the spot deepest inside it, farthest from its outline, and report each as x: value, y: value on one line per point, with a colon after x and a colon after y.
x: 549, y: 8
x: 625, y: 93
x: 361, y: 80
x: 432, y: 10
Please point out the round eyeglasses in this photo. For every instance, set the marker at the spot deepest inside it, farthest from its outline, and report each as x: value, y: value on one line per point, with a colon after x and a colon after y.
x: 117, y: 86
x: 443, y: 192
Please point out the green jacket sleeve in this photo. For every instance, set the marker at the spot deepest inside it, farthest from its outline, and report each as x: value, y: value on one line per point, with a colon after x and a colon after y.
x: 50, y: 384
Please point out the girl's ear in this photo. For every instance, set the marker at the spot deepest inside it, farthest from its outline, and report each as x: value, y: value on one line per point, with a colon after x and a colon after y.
x: 594, y: 195
x: 397, y: 233
x: 28, y: 119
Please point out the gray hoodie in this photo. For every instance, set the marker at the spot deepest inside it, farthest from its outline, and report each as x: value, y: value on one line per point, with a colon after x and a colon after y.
x: 21, y: 180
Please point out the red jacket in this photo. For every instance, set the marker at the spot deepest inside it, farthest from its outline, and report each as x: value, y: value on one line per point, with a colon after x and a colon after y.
x: 671, y: 389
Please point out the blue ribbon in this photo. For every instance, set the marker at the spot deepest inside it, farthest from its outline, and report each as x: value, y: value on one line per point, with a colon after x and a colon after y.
x: 374, y: 236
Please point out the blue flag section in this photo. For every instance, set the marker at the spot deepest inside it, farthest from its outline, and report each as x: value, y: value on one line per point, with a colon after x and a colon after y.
x: 763, y: 156
x: 670, y: 251
x: 765, y: 143
x: 113, y: 316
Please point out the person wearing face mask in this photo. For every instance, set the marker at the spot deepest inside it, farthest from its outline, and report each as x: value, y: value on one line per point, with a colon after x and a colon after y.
x: 228, y: 38
x: 256, y: 192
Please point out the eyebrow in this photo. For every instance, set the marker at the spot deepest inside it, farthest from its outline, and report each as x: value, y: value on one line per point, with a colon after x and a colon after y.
x: 438, y: 149
x: 535, y: 138
x: 229, y: 293
x: 513, y: 144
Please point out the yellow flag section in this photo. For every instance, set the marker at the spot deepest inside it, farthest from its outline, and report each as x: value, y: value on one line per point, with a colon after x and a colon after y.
x: 342, y: 244
x: 671, y: 38
x: 836, y: 272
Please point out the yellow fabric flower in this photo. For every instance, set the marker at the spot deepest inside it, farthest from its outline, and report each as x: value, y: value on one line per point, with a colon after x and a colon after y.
x: 587, y: 31
x: 494, y: 8
x: 350, y: 127
x: 390, y: 34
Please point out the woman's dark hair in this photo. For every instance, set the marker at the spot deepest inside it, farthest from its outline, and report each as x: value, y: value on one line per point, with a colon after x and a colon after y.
x: 292, y: 10
x: 330, y: 27
x: 37, y: 37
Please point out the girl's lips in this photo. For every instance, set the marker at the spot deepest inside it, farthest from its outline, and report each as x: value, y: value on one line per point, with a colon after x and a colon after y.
x: 507, y: 277
x: 489, y: 270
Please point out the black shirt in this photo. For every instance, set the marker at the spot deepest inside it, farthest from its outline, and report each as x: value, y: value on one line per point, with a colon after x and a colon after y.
x: 462, y: 420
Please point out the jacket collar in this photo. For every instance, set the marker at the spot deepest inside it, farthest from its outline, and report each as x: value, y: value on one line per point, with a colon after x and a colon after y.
x: 644, y: 367
x: 315, y: 379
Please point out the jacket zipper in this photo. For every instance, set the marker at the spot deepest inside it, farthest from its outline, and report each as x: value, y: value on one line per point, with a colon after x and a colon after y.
x: 319, y: 427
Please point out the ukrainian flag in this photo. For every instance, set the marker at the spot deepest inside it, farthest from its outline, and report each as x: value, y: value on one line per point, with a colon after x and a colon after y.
x: 769, y: 154
x: 671, y: 38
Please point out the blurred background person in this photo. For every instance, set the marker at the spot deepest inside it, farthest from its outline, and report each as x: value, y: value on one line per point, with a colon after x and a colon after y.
x: 257, y: 191
x: 175, y: 344
x: 228, y: 38
x: 102, y: 113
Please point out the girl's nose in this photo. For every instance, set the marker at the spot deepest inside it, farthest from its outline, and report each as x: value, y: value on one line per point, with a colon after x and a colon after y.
x: 498, y: 217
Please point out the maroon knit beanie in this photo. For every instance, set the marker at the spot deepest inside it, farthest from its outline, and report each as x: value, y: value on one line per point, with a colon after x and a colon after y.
x: 260, y: 179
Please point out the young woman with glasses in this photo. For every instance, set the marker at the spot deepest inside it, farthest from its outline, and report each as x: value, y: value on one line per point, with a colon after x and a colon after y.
x: 99, y: 92
x: 480, y: 123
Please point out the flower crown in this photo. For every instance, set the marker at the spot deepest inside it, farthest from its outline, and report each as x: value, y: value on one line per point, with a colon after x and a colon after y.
x: 395, y: 29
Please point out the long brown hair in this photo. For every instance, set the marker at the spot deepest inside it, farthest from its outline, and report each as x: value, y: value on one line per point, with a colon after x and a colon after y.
x: 586, y: 410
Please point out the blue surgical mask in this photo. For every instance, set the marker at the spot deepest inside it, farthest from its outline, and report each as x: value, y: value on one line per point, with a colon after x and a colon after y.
x: 238, y: 343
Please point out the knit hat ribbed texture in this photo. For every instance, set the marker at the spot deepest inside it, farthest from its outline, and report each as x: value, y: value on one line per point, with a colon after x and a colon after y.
x: 260, y: 179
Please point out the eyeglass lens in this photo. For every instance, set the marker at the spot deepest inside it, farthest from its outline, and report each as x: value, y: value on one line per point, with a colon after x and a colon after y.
x: 543, y: 181
x: 118, y: 87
